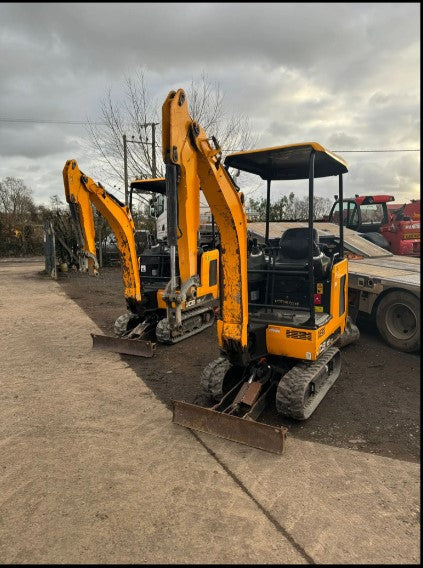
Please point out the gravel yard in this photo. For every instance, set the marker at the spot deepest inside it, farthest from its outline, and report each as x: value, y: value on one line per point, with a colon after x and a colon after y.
x: 373, y: 406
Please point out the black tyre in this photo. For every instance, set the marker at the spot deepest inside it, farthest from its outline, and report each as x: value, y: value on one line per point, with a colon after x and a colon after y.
x: 398, y: 320
x: 219, y: 376
x: 377, y: 239
x: 125, y: 323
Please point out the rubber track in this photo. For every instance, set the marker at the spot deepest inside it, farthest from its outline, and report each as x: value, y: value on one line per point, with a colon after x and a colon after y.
x: 213, y: 375
x: 162, y: 335
x: 293, y: 386
x: 121, y: 324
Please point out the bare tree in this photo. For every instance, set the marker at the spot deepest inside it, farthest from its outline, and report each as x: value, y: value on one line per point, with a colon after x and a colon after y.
x: 139, y: 110
x: 288, y: 208
x: 16, y: 200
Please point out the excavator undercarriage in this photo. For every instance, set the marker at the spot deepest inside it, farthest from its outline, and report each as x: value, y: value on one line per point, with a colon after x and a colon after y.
x: 242, y: 394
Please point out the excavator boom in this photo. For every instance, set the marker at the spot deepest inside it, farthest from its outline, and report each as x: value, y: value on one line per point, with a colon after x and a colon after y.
x: 186, y: 146
x: 82, y: 192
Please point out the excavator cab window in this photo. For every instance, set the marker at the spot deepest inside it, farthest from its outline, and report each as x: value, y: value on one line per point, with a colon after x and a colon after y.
x: 157, y: 205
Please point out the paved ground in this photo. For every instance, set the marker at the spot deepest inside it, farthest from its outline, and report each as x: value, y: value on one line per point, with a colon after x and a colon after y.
x: 94, y: 471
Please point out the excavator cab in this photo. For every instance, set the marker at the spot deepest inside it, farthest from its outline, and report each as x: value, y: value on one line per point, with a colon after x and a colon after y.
x: 297, y: 286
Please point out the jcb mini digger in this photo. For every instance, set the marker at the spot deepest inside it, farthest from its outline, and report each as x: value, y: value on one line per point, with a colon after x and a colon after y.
x: 157, y: 308
x: 283, y: 305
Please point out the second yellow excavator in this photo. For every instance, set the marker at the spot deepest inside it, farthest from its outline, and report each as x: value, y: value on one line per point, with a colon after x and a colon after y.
x: 171, y: 290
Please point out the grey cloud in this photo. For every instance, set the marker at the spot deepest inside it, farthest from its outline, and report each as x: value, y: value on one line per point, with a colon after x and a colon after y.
x: 344, y: 74
x: 35, y: 141
x: 343, y: 140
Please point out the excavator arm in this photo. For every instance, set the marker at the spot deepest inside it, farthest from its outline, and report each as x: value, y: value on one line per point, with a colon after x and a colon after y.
x: 186, y: 148
x: 187, y: 193
x: 81, y: 191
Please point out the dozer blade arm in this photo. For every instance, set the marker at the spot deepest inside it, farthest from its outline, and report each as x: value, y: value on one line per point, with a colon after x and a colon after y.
x: 81, y: 191
x: 241, y: 430
x: 137, y: 347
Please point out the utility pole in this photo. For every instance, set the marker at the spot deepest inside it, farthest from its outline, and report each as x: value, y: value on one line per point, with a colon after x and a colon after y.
x: 153, y: 141
x: 153, y: 146
x: 153, y: 156
x: 125, y: 167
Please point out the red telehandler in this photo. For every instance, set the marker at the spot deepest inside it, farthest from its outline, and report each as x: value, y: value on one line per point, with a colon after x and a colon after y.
x: 396, y: 230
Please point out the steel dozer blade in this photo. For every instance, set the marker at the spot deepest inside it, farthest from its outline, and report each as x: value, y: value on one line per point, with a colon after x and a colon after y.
x: 137, y: 347
x: 242, y: 430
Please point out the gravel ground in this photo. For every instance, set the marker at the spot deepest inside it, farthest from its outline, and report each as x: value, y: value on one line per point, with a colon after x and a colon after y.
x: 373, y: 406
x: 93, y: 471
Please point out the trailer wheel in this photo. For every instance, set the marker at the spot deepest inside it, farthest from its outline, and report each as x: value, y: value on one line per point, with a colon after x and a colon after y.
x: 398, y: 321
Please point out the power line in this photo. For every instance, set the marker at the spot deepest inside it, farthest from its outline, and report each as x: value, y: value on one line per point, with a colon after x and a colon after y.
x: 398, y: 150
x: 33, y: 121
x: 76, y: 122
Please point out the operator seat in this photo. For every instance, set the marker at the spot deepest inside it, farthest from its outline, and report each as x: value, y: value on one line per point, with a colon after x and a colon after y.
x: 293, y: 252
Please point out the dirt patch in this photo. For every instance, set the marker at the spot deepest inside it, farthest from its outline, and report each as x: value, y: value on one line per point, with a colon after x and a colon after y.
x: 373, y: 407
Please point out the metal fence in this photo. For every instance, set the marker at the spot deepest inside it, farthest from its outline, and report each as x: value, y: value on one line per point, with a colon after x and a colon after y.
x: 50, y: 250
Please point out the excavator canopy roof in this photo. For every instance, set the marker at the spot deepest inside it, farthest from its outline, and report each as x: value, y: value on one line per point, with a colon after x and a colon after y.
x: 288, y: 162
x: 155, y: 185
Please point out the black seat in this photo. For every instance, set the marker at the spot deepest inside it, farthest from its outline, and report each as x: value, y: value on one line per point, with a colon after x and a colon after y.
x: 293, y: 252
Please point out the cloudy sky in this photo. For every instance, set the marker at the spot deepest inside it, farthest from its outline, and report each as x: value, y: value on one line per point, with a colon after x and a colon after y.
x: 346, y: 75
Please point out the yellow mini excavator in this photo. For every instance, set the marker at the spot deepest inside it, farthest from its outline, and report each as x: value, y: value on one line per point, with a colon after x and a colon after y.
x: 283, y: 305
x: 171, y: 291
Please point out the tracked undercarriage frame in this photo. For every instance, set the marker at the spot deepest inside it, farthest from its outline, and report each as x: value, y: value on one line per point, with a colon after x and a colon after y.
x: 135, y: 336
x: 192, y: 322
